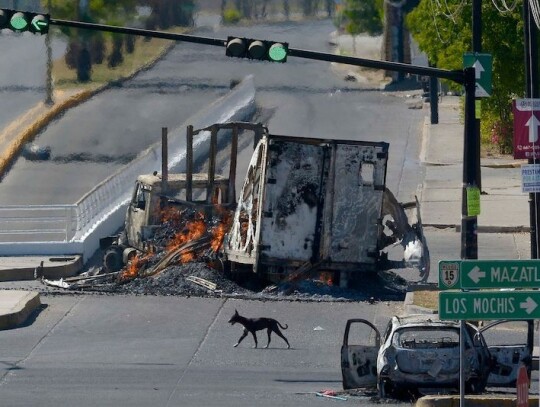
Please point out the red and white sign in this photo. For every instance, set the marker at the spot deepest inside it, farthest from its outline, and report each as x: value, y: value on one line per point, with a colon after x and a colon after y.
x: 522, y: 387
x: 526, y: 124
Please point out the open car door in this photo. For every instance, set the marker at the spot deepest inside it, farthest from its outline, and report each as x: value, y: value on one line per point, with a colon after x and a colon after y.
x: 361, y: 343
x: 517, y: 337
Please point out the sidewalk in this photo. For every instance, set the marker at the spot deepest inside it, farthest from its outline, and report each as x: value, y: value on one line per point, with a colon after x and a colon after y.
x: 503, y: 207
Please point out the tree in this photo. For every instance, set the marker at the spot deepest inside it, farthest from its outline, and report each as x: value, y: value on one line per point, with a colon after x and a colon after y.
x: 362, y: 16
x: 86, y: 47
x: 446, y: 34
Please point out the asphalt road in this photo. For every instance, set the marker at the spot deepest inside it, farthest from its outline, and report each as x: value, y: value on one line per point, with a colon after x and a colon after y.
x: 138, y: 351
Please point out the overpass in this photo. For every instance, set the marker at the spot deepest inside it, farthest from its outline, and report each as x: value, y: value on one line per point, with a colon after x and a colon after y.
x: 75, y: 229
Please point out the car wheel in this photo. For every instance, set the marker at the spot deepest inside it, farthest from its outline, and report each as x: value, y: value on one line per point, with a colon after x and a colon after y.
x: 112, y: 259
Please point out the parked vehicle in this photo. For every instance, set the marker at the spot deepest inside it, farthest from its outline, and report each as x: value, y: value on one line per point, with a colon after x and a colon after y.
x: 419, y: 352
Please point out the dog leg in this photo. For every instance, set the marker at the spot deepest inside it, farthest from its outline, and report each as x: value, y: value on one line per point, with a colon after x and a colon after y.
x: 269, y: 332
x: 255, y: 339
x: 278, y: 332
x: 244, y: 334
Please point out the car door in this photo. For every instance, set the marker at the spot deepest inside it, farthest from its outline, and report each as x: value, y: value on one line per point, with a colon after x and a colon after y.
x: 361, y: 343
x: 510, y: 344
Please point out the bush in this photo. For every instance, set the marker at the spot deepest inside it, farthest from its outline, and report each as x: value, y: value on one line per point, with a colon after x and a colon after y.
x: 497, y: 132
x: 231, y: 16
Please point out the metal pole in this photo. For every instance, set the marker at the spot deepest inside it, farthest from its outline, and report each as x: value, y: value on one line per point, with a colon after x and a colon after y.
x: 164, y: 161
x: 469, y: 224
x: 531, y: 91
x: 471, y: 156
x: 434, y: 99
x: 477, y: 48
x: 49, y: 85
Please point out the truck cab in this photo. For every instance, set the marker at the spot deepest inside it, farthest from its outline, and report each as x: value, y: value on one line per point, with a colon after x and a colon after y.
x: 151, y: 199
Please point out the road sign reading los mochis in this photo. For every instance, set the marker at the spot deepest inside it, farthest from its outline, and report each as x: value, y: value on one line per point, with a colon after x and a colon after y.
x: 488, y: 305
x: 476, y: 274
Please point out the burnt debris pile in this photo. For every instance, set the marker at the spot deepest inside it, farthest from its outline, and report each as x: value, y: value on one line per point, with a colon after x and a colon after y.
x: 184, y: 259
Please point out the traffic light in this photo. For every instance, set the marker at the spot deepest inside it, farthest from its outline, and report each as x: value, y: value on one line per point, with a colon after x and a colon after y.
x: 21, y: 21
x: 257, y: 49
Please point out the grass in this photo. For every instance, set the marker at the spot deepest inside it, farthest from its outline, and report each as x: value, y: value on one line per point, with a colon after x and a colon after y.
x: 427, y: 299
x: 145, y: 53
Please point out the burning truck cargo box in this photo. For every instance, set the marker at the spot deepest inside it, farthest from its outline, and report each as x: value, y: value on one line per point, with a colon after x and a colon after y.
x: 306, y: 207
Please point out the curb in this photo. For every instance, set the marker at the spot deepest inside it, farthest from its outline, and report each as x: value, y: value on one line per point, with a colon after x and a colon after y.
x: 472, y: 401
x: 480, y: 229
x: 33, y: 267
x: 11, y: 315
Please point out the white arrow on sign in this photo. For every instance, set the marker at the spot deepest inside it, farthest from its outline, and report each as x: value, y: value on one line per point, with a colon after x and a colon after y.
x: 529, y: 305
x: 533, y: 123
x: 478, y: 69
x: 476, y: 274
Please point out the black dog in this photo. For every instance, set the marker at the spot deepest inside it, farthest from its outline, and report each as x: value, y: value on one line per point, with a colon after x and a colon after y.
x: 256, y: 324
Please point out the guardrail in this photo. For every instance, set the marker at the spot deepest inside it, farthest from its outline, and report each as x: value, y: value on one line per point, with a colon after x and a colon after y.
x: 77, y: 228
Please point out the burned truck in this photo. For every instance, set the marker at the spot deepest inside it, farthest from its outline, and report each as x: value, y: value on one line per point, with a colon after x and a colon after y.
x: 305, y: 205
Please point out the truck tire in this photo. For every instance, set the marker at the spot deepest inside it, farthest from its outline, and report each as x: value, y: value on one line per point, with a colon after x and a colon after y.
x: 112, y: 259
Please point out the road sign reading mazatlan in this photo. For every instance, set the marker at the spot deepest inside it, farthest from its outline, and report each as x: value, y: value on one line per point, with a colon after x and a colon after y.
x: 476, y: 274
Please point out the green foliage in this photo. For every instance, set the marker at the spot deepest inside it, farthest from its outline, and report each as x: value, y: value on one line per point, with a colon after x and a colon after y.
x: 360, y: 16
x: 446, y: 34
x: 231, y: 16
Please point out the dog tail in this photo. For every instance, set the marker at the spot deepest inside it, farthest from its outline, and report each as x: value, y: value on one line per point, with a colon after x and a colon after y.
x: 283, y: 327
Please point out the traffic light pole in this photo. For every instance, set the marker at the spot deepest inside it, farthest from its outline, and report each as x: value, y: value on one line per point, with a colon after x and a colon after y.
x: 466, y: 77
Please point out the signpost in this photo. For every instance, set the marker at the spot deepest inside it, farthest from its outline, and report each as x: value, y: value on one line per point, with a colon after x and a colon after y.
x: 530, y: 178
x: 526, y: 122
x: 476, y: 274
x: 482, y: 64
x: 489, y: 305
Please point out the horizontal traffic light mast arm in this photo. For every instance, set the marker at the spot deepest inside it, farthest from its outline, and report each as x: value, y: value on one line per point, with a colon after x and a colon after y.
x: 139, y: 31
x: 456, y: 76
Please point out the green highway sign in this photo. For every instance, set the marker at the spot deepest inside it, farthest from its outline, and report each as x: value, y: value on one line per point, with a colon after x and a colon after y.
x: 483, y: 68
x: 476, y: 274
x: 489, y: 305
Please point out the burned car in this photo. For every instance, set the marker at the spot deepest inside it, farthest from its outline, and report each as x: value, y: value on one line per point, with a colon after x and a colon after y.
x: 419, y: 353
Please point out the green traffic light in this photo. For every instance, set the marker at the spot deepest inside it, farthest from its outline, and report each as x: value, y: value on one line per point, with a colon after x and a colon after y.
x: 39, y: 24
x: 18, y: 22
x: 277, y: 52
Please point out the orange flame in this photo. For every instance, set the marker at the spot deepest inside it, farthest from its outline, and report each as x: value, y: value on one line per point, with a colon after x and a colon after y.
x: 134, y: 265
x: 326, y: 277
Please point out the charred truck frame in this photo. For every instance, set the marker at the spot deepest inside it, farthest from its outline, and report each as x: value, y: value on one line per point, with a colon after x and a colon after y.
x: 305, y: 205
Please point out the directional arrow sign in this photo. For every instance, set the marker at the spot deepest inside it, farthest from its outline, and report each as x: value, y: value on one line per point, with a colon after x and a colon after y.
x: 500, y: 274
x: 532, y: 124
x: 482, y: 64
x: 488, y: 305
x: 526, y: 122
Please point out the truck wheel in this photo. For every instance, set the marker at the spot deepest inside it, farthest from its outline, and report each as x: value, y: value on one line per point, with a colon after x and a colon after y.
x: 112, y: 259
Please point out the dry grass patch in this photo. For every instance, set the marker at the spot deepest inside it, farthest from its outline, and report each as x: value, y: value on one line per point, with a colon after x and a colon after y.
x: 427, y: 299
x: 145, y: 54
